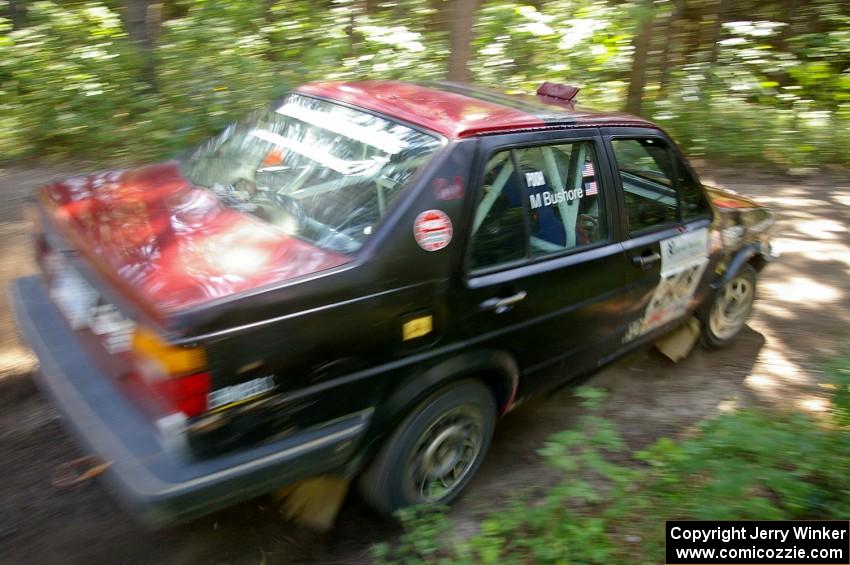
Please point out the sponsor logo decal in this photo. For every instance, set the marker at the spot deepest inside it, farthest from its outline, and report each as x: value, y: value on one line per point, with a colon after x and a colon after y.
x: 733, y: 235
x: 445, y: 189
x: 432, y: 230
x: 534, y: 179
x: 683, y: 251
x: 684, y: 258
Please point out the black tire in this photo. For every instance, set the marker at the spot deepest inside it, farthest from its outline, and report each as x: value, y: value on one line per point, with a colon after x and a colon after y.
x: 389, y: 482
x: 711, y: 335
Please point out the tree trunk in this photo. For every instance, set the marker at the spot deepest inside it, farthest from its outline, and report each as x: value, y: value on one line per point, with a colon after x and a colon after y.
x: 17, y: 10
x: 438, y: 20
x: 665, y: 58
x: 717, y: 31
x: 461, y: 36
x: 640, y: 44
x: 792, y: 9
x: 270, y: 18
x: 141, y: 21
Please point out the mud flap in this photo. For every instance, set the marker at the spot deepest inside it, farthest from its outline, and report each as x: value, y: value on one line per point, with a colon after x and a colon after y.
x: 677, y: 344
x: 313, y: 503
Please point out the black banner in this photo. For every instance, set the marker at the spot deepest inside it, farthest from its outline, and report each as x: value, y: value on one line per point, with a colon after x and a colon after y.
x: 746, y: 542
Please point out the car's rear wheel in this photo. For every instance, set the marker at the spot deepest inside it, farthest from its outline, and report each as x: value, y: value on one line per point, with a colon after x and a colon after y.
x: 727, y: 313
x: 434, y: 453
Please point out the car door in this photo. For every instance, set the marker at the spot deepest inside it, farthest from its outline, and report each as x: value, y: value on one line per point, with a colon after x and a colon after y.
x: 543, y: 276
x: 665, y: 218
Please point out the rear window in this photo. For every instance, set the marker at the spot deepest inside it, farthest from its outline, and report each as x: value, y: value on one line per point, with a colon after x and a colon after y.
x: 320, y: 171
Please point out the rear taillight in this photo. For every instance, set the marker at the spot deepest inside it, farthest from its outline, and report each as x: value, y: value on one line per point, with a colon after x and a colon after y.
x: 177, y: 374
x: 188, y: 394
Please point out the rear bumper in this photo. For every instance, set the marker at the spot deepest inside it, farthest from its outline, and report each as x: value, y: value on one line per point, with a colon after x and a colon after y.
x: 157, y: 484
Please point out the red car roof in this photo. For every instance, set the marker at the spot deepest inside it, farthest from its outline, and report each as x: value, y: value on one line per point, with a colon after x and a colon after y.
x: 456, y: 111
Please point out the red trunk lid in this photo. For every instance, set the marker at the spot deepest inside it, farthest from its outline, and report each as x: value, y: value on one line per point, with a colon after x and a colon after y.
x: 170, y: 245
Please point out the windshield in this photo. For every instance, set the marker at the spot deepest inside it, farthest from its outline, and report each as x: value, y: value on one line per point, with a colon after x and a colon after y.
x: 319, y: 171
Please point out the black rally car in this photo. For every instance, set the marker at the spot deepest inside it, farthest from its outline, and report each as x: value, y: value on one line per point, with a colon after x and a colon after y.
x: 360, y: 279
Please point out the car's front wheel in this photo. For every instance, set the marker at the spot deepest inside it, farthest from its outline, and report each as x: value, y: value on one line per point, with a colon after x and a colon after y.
x: 434, y: 453
x: 726, y: 314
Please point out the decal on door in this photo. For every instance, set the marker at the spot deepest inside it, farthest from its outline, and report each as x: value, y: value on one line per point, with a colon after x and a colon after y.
x: 683, y: 261
x: 448, y: 190
x: 432, y: 230
x: 732, y: 236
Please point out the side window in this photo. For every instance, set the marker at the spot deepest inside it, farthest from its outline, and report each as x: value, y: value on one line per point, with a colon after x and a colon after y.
x: 566, y: 210
x: 498, y: 228
x: 694, y: 203
x: 646, y: 172
x: 647, y: 169
x: 552, y: 203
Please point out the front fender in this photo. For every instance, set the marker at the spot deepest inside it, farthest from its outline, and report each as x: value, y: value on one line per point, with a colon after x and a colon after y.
x: 743, y: 256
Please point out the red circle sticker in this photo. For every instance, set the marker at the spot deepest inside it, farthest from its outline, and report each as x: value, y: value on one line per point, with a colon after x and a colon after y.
x: 432, y: 230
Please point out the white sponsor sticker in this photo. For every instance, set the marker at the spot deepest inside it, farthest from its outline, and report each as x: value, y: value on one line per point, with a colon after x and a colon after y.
x: 732, y: 236
x: 240, y: 392
x: 115, y: 331
x: 535, y: 178
x: 83, y: 307
x: 684, y: 258
x: 74, y: 297
x: 684, y: 250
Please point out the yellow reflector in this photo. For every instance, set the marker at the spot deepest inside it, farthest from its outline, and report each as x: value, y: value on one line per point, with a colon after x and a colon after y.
x: 175, y: 360
x: 417, y: 327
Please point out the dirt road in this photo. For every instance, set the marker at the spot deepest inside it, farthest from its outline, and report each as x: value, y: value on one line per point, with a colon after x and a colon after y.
x: 800, y: 321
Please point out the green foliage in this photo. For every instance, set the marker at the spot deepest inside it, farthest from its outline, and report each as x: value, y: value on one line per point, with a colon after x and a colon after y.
x: 578, y: 42
x: 748, y: 464
x: 773, y: 88
x: 68, y: 79
x: 70, y: 82
x: 211, y: 66
x: 839, y: 374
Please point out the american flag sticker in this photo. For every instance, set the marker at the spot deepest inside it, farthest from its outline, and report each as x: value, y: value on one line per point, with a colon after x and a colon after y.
x: 590, y: 188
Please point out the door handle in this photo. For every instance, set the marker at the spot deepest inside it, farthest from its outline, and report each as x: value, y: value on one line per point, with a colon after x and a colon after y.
x: 502, y: 305
x: 646, y: 261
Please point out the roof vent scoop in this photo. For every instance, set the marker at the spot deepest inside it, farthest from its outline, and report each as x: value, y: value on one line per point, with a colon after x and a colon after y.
x: 559, y: 93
